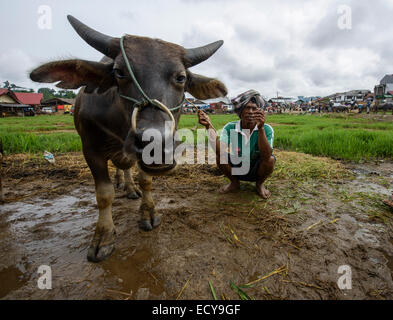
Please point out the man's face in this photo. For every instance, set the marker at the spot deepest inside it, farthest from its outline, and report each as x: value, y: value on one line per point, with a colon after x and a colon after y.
x: 248, y: 114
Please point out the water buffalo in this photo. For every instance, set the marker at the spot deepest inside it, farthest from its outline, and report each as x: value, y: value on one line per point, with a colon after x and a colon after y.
x: 340, y: 108
x: 384, y: 107
x: 113, y: 110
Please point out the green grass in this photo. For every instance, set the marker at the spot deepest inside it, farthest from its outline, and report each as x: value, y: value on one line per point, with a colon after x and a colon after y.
x: 38, y: 143
x: 349, y: 138
x: 37, y: 134
x: 338, y: 136
x: 335, y: 136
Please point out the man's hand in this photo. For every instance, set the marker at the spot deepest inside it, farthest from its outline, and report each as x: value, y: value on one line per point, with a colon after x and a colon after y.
x: 260, y: 118
x: 204, y: 119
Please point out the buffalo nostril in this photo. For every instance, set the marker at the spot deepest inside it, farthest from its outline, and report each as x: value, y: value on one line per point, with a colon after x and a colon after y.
x: 133, y: 145
x: 139, y: 144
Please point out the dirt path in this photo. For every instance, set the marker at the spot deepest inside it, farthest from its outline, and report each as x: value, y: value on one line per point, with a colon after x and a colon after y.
x: 321, y: 216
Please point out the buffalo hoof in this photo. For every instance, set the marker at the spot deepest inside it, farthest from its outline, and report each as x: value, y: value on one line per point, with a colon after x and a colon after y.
x: 138, y: 191
x: 133, y: 195
x: 102, y: 246
x: 149, y: 225
x: 145, y: 225
x: 120, y: 186
x: 157, y: 220
x: 103, y: 253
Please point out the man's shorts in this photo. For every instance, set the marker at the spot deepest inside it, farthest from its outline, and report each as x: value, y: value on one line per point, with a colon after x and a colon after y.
x: 252, y: 175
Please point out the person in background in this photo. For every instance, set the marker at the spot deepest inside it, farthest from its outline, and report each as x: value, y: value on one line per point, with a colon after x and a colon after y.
x: 252, y: 131
x: 368, y: 105
x: 360, y: 106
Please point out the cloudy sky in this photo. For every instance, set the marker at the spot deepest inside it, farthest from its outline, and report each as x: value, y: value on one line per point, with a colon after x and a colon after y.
x: 293, y: 47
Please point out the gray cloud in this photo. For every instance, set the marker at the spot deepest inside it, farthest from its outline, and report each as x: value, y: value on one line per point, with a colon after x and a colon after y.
x: 294, y: 47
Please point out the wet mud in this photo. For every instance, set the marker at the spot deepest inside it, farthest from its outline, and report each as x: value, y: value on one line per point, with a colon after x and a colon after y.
x: 290, y: 246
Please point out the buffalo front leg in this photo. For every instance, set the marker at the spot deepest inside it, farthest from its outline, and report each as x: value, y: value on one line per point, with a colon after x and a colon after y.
x: 149, y: 218
x: 103, y: 241
x: 133, y: 192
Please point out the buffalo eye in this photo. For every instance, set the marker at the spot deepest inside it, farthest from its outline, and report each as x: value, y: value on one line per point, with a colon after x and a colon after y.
x: 119, y: 74
x: 181, y: 79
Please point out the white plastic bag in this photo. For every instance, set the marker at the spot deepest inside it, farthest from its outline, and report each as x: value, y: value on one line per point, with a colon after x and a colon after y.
x: 49, y: 156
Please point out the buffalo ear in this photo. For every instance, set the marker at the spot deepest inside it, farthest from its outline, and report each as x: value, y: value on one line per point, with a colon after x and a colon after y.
x: 74, y: 74
x: 204, y: 88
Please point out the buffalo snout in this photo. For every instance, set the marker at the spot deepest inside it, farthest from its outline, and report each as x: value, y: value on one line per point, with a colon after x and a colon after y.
x: 152, y: 142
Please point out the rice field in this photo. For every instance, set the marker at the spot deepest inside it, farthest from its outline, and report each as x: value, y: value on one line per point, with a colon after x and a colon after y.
x: 346, y: 137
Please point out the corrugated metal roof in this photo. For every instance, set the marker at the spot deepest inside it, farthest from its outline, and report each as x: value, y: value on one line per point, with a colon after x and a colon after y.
x: 29, y: 98
x: 62, y: 100
x: 24, y: 97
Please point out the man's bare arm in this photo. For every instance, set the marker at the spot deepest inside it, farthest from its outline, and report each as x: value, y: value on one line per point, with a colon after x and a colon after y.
x: 263, y: 144
x: 213, y: 138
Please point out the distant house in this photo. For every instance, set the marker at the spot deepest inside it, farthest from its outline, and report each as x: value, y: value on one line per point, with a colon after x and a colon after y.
x: 189, y: 107
x: 349, y: 96
x: 18, y: 103
x: 220, y: 105
x: 385, y: 86
x: 60, y: 105
x: 28, y: 98
x: 7, y: 96
x: 388, y: 81
x: 282, y: 100
x: 306, y: 100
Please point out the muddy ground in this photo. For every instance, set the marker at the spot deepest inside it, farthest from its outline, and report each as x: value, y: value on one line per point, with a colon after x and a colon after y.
x: 322, y: 214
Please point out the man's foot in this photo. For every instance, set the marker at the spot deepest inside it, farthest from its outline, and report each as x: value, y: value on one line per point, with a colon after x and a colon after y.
x: 262, y: 191
x: 233, y: 186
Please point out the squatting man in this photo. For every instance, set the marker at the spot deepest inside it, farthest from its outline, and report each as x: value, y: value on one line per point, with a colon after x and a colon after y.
x: 250, y: 139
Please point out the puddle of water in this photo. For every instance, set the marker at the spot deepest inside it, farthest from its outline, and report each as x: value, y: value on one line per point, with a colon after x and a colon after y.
x: 50, y: 230
x: 27, y: 213
x: 11, y: 278
x: 133, y: 272
x: 42, y: 217
x: 361, y: 184
x: 364, y: 176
